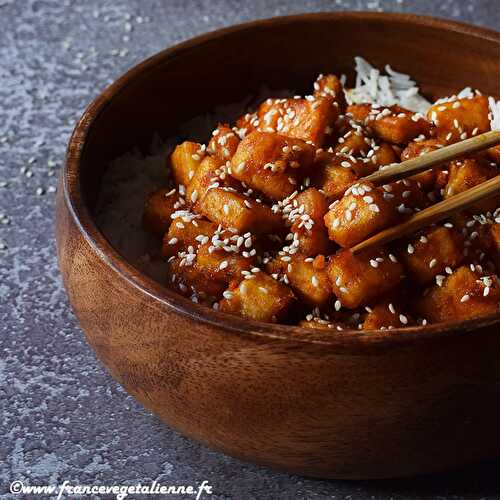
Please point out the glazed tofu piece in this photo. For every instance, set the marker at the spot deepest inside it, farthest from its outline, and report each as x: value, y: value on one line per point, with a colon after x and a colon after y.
x: 309, y: 120
x: 359, y: 112
x: 207, y: 174
x: 459, y: 119
x: 185, y: 160
x: 334, y: 173
x: 430, y: 255
x: 482, y: 242
x: 358, y: 280
x: 308, y: 226
x: 379, y: 156
x: 467, y: 173
x: 330, y: 85
x: 260, y: 298
x: 398, y: 125
x: 406, y: 196
x: 494, y: 245
x: 231, y: 209
x: 221, y: 265
x: 464, y: 294
x: 386, y: 315
x: 159, y: 206
x: 307, y: 278
x: 271, y: 163
x: 393, y: 124
x: 361, y: 212
x: 421, y: 148
x: 186, y: 230
x: 189, y: 280
x: 494, y: 155
x: 223, y: 143
x: 354, y: 142
x: 427, y: 178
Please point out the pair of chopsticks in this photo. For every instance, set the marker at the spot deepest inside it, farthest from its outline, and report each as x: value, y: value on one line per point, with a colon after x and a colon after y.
x: 443, y: 209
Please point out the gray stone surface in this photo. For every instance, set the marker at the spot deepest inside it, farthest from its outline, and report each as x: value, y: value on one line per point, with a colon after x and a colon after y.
x: 62, y: 416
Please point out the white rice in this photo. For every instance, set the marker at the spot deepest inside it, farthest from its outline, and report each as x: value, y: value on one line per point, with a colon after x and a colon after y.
x: 385, y: 90
x: 494, y: 113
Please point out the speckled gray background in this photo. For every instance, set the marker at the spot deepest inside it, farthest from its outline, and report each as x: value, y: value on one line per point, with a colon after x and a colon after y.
x: 62, y: 416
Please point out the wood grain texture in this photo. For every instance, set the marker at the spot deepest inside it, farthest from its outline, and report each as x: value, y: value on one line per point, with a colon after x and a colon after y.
x: 341, y: 404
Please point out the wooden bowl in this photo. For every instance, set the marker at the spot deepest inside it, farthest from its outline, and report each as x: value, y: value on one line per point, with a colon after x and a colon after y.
x: 332, y: 405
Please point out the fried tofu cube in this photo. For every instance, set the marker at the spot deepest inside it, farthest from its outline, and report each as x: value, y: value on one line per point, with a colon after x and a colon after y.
x: 459, y: 119
x: 207, y: 174
x: 358, y: 280
x: 186, y: 230
x: 261, y: 299
x: 235, y: 210
x: 427, y: 178
x: 221, y: 265
x: 159, y: 206
x: 307, y: 119
x: 406, y: 196
x: 467, y: 173
x: 308, y: 280
x: 428, y: 256
x: 354, y: 142
x: 223, y: 143
x: 330, y: 85
x: 249, y: 122
x: 397, y: 125
x: 386, y: 315
x: 482, y: 242
x: 382, y: 154
x: 188, y: 279
x: 464, y: 294
x: 185, y: 160
x: 359, y: 112
x: 308, y: 226
x: 360, y: 213
x: 494, y: 234
x: 494, y: 154
x: 334, y: 174
x: 271, y: 163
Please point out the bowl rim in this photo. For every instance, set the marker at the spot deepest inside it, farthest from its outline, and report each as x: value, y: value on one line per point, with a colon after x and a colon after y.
x: 162, y: 296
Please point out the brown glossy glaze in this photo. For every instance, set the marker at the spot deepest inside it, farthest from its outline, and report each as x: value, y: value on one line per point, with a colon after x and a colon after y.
x: 339, y: 404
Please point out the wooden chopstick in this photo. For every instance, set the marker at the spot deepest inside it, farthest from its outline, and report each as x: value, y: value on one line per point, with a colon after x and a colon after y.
x: 432, y: 214
x: 434, y: 158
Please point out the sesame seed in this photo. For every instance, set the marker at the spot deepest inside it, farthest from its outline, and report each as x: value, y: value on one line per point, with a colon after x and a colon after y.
x: 465, y: 298
x: 403, y: 319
